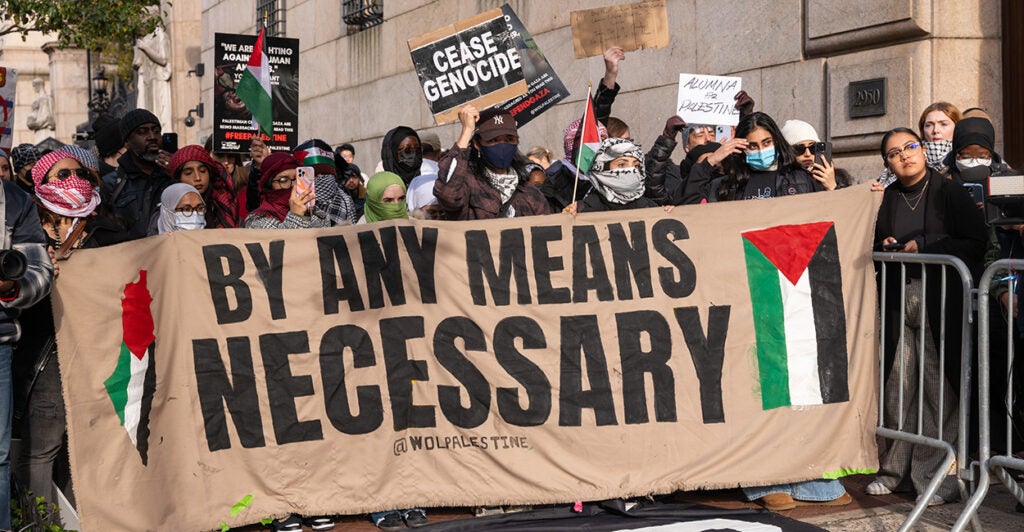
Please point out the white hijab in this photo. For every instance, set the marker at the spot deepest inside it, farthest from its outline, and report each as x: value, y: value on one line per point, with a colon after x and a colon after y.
x: 168, y: 202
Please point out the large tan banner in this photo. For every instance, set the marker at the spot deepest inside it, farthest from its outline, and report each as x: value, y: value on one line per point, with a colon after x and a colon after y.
x: 422, y: 363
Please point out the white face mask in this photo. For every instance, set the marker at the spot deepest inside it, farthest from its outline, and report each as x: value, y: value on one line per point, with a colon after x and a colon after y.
x: 187, y: 223
x: 971, y: 163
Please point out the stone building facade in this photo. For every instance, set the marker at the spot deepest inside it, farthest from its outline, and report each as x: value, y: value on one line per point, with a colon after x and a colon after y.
x: 797, y: 59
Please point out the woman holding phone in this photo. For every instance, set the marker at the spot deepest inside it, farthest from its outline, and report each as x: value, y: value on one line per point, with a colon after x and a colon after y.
x: 282, y: 205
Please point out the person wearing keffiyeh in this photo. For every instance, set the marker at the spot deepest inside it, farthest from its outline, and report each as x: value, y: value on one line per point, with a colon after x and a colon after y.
x: 617, y: 178
x: 281, y: 207
x: 193, y: 165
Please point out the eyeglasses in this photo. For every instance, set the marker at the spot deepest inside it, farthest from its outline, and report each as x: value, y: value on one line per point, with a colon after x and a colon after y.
x: 804, y: 148
x: 65, y: 173
x: 895, y: 153
x: 283, y: 181
x: 187, y: 210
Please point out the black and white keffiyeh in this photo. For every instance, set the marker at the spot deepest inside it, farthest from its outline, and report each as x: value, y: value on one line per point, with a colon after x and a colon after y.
x: 619, y: 185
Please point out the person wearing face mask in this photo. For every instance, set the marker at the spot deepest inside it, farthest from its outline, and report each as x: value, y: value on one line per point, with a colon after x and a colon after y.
x: 972, y: 156
x: 617, y: 178
x: 936, y: 127
x: 560, y: 176
x: 181, y: 209
x: 193, y: 165
x: 401, y: 153
x: 758, y: 164
x: 483, y: 176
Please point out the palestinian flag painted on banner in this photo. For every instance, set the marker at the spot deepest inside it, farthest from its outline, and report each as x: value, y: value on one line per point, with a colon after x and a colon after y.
x: 254, y: 87
x: 590, y: 139
x: 796, y: 290
x: 133, y: 382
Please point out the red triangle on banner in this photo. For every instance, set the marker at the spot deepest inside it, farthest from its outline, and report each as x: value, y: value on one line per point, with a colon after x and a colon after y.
x: 789, y: 247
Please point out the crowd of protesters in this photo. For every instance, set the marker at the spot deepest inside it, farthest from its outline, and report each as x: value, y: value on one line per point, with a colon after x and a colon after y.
x: 131, y: 189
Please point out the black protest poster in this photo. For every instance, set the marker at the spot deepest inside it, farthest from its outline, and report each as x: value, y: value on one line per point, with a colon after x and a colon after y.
x: 544, y: 87
x: 232, y: 121
x: 474, y: 61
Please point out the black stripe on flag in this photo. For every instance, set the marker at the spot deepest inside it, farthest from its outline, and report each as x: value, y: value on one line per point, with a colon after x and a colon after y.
x: 825, y: 276
x: 148, y: 387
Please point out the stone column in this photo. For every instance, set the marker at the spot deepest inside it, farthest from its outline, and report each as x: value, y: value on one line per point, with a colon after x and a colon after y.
x: 69, y: 86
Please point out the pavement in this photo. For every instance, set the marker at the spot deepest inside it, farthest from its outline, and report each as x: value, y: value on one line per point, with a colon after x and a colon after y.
x: 865, y: 513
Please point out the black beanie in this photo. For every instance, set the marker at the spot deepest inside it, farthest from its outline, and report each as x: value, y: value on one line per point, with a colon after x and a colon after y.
x: 973, y: 130
x: 135, y: 118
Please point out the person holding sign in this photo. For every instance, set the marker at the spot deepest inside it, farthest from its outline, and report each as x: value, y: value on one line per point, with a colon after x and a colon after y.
x: 483, y: 175
x: 283, y: 206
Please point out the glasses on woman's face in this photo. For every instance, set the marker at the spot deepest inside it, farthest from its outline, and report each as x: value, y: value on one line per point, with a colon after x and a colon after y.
x: 896, y: 153
x: 804, y: 148
x: 187, y: 210
x: 65, y: 173
x: 283, y: 181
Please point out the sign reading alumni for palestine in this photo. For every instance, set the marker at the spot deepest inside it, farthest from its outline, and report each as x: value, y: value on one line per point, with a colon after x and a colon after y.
x: 429, y: 363
x: 472, y: 61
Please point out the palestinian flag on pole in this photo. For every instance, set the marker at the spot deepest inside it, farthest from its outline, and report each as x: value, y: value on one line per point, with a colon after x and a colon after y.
x: 133, y: 382
x: 254, y: 88
x: 590, y: 138
x: 796, y: 290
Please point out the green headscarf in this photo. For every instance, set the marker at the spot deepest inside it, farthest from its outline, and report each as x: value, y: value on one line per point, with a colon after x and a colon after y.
x: 374, y: 209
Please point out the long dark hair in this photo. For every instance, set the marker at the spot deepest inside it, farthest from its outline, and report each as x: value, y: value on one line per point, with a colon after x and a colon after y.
x: 737, y: 173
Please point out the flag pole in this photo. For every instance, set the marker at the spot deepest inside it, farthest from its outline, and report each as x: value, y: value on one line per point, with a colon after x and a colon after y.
x: 255, y: 124
x: 579, y: 147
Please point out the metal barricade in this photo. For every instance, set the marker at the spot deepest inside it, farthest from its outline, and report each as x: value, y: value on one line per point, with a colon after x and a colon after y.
x: 916, y: 435
x: 993, y: 465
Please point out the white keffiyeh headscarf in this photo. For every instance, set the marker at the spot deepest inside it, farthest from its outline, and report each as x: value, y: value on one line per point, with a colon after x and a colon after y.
x: 621, y: 185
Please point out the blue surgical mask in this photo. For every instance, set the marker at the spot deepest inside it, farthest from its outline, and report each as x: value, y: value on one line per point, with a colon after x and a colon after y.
x: 500, y: 155
x: 761, y: 159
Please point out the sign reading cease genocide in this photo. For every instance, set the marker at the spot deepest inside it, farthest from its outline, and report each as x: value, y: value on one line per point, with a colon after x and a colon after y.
x: 545, y: 87
x: 473, y: 61
x: 429, y: 363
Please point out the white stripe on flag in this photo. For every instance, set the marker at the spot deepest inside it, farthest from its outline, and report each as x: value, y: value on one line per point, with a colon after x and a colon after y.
x: 133, y: 408
x: 801, y: 341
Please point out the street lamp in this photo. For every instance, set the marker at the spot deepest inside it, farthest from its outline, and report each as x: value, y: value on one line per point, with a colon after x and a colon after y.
x: 100, y: 101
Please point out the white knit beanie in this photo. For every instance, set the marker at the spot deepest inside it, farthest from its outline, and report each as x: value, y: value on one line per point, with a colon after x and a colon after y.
x: 799, y: 131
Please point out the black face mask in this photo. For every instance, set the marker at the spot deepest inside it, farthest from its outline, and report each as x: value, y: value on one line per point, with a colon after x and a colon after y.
x: 977, y: 174
x: 410, y: 160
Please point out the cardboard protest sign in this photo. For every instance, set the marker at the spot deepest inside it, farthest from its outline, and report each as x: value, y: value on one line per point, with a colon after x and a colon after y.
x: 232, y: 121
x: 630, y: 26
x: 545, y: 87
x: 8, y: 90
x: 472, y: 61
x: 429, y: 363
x: 709, y: 100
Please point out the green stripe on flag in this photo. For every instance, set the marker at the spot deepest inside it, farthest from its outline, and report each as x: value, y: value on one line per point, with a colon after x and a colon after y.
x: 117, y: 383
x: 840, y: 473
x: 769, y: 327
x: 310, y: 160
x: 257, y: 100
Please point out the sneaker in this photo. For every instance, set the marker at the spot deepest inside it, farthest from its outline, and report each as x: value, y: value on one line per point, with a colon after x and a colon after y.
x: 292, y: 524
x: 877, y: 488
x: 391, y: 522
x: 777, y: 502
x: 936, y: 500
x: 415, y: 518
x: 320, y: 522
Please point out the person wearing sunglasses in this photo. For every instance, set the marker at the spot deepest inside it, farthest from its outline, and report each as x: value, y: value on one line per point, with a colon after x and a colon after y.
x: 922, y: 212
x: 803, y: 137
x: 282, y: 205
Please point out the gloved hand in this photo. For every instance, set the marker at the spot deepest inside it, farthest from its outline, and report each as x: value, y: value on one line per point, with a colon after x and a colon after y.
x: 744, y: 103
x: 673, y: 126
